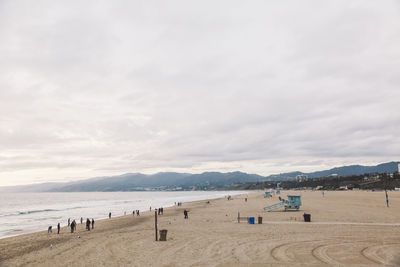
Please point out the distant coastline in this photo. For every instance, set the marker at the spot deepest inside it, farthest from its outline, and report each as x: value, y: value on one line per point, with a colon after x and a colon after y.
x: 210, y: 181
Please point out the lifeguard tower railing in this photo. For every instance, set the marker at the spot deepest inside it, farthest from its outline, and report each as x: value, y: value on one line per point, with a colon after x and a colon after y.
x: 274, y: 207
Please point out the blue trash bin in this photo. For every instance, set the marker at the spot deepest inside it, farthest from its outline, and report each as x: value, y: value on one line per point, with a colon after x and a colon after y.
x: 251, y: 220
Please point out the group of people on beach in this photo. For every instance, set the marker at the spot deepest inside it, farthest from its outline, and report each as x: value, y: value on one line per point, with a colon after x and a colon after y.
x: 137, y: 213
x: 72, y: 225
x: 90, y: 223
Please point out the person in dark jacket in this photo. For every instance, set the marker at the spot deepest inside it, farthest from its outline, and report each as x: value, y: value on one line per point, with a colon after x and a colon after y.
x: 87, y: 224
x: 72, y: 226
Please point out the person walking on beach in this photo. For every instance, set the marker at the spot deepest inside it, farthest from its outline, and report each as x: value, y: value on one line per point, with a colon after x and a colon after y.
x: 87, y: 224
x: 137, y: 213
x: 185, y: 213
x: 387, y: 198
x: 109, y: 215
x: 49, y: 230
x: 58, y: 228
x: 81, y: 220
x: 74, y: 222
x: 72, y: 226
x: 69, y: 222
x: 92, y: 223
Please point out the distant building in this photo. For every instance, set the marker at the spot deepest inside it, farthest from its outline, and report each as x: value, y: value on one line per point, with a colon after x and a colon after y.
x: 301, y: 178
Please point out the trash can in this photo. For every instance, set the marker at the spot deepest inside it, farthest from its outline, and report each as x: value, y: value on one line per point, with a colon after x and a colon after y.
x: 307, y: 217
x: 163, y: 235
x: 259, y: 220
x: 251, y: 220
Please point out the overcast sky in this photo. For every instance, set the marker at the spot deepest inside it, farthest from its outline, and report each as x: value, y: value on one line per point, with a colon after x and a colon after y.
x: 92, y: 88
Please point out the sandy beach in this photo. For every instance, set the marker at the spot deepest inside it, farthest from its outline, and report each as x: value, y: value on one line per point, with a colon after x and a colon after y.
x: 351, y: 228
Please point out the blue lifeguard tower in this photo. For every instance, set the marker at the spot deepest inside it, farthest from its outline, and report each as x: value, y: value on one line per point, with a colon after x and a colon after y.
x: 293, y: 202
x: 267, y: 194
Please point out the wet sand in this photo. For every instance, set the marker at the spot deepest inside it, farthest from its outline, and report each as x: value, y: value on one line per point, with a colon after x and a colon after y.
x: 348, y: 228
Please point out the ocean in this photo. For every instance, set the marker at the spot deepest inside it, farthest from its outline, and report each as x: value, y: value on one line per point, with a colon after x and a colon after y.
x: 22, y: 213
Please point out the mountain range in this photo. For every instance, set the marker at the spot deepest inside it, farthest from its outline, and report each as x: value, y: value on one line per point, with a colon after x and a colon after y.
x: 187, y: 181
x: 343, y: 171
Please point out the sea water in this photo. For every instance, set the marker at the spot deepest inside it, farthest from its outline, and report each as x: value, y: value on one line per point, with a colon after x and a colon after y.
x: 30, y: 212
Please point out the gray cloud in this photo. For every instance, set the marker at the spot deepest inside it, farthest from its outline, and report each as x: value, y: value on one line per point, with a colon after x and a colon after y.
x: 97, y: 88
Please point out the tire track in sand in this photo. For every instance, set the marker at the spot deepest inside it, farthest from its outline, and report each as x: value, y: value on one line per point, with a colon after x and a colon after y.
x: 371, y: 253
x: 279, y: 253
x: 320, y: 252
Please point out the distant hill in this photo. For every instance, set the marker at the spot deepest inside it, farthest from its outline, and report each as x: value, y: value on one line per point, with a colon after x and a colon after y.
x: 187, y: 181
x: 164, y: 180
x: 389, y: 167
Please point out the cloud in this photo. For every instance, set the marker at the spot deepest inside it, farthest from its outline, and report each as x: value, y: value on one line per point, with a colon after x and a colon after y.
x: 98, y: 88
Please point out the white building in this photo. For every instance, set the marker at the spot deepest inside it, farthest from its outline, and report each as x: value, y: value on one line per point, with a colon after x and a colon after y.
x: 301, y: 177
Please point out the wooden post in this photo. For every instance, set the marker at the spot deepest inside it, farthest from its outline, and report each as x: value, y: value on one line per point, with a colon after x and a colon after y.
x: 238, y: 217
x: 155, y: 225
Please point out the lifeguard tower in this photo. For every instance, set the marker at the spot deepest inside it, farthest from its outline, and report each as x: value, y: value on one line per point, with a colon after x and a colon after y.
x: 292, y: 203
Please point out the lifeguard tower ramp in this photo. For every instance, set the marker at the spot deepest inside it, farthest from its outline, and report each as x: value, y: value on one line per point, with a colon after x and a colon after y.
x: 275, y: 206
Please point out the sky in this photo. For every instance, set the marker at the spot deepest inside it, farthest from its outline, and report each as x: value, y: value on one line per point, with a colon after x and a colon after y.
x: 96, y: 88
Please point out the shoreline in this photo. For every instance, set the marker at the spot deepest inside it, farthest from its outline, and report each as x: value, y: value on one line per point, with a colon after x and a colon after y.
x: 104, y: 215
x: 144, y: 212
